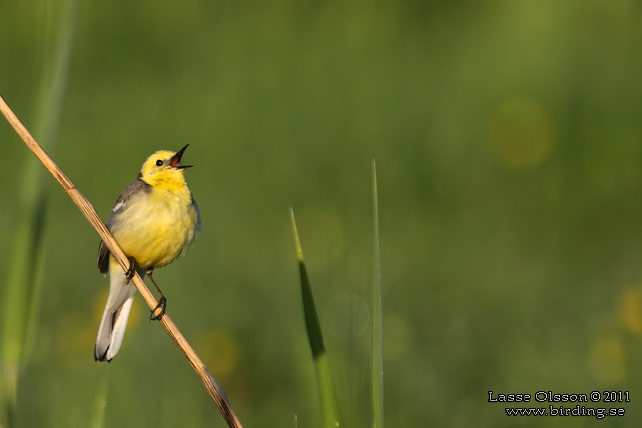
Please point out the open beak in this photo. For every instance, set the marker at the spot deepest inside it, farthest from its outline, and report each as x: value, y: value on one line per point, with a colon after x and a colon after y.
x: 175, y: 161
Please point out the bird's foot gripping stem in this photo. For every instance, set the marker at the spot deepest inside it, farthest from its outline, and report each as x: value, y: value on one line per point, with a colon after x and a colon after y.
x: 160, y: 308
x: 129, y: 274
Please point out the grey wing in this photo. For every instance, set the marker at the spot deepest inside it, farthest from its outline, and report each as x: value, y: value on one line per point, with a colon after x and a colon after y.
x: 103, y: 258
x: 135, y: 187
x: 199, y: 223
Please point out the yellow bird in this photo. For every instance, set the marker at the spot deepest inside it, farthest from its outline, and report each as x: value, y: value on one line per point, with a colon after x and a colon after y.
x: 154, y: 220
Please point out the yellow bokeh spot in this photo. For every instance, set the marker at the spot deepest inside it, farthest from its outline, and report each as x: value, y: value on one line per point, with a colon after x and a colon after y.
x: 629, y: 309
x: 74, y: 338
x: 521, y: 133
x: 99, y: 305
x: 606, y: 359
x: 218, y: 350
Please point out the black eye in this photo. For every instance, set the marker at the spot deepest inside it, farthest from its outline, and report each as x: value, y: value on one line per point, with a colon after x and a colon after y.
x: 159, y: 162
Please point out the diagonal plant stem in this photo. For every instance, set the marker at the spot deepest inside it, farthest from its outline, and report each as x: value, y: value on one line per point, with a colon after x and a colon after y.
x: 210, y: 384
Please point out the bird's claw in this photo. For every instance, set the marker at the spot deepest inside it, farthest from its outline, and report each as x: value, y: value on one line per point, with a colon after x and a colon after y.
x: 162, y: 305
x: 131, y: 271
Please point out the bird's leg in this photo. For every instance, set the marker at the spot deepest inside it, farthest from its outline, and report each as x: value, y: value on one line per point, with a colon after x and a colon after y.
x: 131, y: 271
x: 162, y: 302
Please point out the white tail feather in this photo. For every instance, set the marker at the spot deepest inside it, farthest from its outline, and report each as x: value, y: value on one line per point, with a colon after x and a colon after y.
x: 114, y: 321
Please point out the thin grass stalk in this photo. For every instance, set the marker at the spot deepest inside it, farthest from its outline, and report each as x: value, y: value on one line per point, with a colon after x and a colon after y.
x: 23, y: 286
x: 377, y: 322
x: 100, y: 404
x: 329, y: 406
x: 88, y: 211
x: 54, y: 88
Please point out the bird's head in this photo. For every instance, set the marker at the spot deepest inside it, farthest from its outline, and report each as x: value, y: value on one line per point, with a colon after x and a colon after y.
x: 164, y: 169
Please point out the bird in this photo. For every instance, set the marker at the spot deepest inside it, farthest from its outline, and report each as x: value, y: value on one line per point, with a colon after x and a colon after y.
x: 154, y: 220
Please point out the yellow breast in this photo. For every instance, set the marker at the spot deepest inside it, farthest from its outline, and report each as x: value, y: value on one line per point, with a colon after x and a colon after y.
x: 157, y: 226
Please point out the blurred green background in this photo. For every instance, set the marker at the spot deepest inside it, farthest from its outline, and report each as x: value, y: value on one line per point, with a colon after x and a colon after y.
x: 508, y: 139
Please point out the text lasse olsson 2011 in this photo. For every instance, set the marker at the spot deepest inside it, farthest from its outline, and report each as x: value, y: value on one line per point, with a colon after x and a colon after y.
x: 550, y: 397
x: 554, y: 410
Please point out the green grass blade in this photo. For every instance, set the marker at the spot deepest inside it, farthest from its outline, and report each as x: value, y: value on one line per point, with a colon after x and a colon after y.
x: 377, y: 323
x: 23, y: 286
x: 329, y: 404
x: 53, y: 89
x: 100, y: 404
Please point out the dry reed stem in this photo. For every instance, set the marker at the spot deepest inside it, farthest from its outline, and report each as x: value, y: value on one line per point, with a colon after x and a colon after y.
x: 210, y: 384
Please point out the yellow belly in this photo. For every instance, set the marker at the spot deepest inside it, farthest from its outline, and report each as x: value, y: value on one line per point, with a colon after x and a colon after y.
x: 156, y: 227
